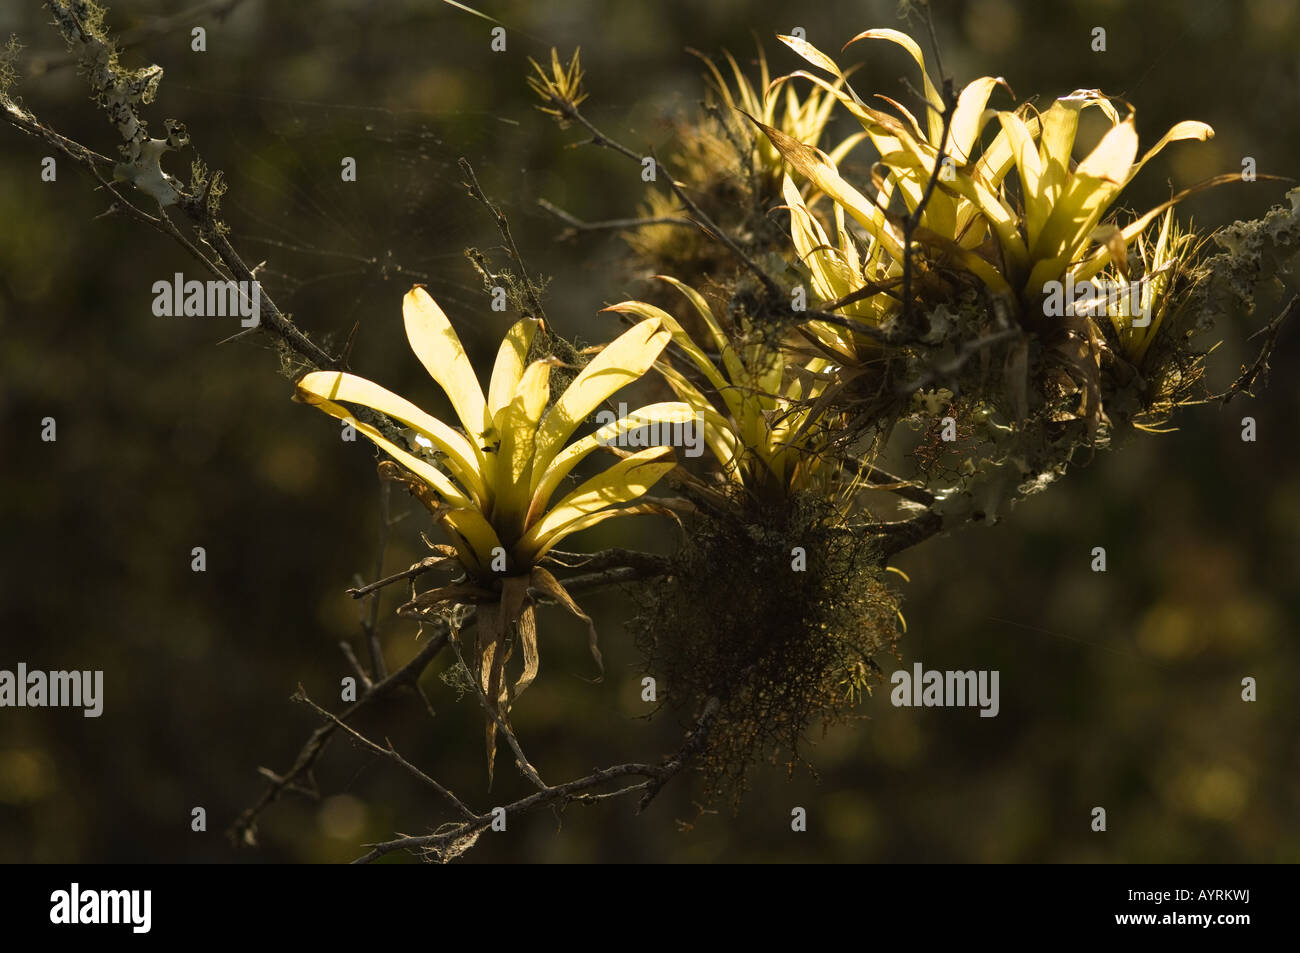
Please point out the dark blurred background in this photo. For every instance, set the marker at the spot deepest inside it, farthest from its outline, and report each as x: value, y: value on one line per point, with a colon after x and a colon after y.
x: 1119, y: 689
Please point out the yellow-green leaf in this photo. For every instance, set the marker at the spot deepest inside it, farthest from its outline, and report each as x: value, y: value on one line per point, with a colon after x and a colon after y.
x: 626, y: 480
x: 509, y: 366
x: 338, y: 386
x: 545, y: 484
x: 518, y: 437
x: 622, y: 361
x: 934, y: 115
x: 425, y: 471
x: 435, y: 343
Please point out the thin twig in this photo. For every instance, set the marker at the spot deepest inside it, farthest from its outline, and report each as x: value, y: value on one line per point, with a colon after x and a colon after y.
x: 355, y: 663
x: 883, y: 480
x: 572, y: 791
x: 570, y: 112
x: 710, y: 227
x: 903, y: 534
x: 609, y: 559
x: 244, y: 828
x: 503, y: 726
x: 913, y: 219
x: 389, y: 752
x: 577, y: 225
x: 427, y: 564
x: 647, y: 565
x: 370, y: 617
x: 1270, y: 331
x: 703, y: 221
x: 690, y: 748
x: 644, y: 565
x: 503, y: 225
x: 928, y: 18
x: 968, y: 350
x: 558, y: 794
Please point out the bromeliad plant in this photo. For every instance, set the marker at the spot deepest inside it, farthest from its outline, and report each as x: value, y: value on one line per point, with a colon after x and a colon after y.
x: 1167, y: 277
x: 908, y: 150
x: 1056, y: 225
x: 770, y: 433
x: 846, y: 270
x: 732, y: 172
x: 561, y: 88
x: 491, y: 484
x: 791, y: 653
x: 804, y: 120
x: 764, y: 664
x: 1150, y: 303
x: 961, y: 227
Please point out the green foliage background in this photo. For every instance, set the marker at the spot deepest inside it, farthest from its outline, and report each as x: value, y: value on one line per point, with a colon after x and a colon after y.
x: 1118, y: 689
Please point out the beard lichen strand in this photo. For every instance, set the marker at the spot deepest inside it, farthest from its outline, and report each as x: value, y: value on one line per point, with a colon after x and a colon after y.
x: 795, y: 649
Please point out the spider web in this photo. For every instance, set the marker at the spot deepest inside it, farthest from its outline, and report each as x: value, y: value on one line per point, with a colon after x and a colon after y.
x: 332, y: 252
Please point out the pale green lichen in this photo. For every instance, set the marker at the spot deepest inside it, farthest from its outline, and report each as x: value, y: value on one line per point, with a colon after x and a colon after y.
x: 121, y: 92
x: 1254, y: 252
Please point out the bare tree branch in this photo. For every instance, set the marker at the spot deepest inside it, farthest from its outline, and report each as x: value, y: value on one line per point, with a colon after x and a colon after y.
x: 442, y: 844
x: 503, y: 225
x: 1270, y: 331
x: 388, y: 752
x: 245, y: 826
x: 577, y: 225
